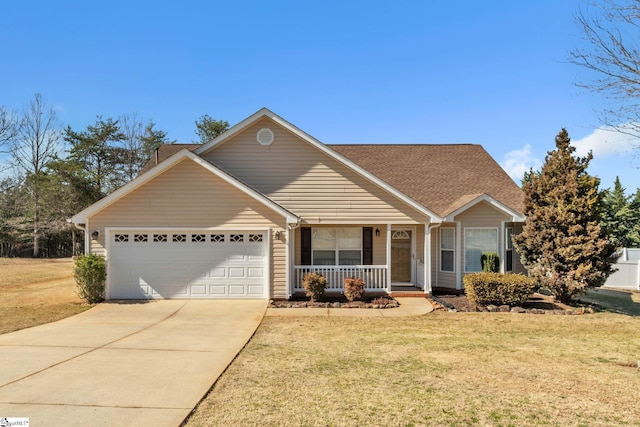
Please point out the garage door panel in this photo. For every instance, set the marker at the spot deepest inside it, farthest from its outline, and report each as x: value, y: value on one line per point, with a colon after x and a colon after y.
x: 190, y: 264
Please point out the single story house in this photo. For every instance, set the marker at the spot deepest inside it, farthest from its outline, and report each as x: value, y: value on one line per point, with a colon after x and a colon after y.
x: 247, y: 214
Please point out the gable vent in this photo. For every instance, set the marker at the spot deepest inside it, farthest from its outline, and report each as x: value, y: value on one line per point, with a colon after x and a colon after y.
x: 265, y: 136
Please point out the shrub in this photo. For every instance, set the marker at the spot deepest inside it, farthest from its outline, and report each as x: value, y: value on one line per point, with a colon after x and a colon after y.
x: 490, y: 262
x: 499, y: 289
x: 90, y: 272
x: 314, y: 285
x: 354, y: 288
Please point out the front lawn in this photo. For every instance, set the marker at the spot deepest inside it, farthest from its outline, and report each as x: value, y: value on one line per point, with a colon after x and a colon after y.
x: 439, y: 369
x: 36, y: 291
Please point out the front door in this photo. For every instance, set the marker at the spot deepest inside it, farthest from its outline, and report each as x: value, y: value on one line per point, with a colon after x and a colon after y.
x: 401, y: 255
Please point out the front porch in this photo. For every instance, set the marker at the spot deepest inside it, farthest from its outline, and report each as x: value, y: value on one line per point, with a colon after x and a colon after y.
x: 376, y: 277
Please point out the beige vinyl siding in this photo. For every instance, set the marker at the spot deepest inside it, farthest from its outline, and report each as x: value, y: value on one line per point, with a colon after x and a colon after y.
x: 187, y: 195
x: 306, y: 181
x: 517, y: 264
x: 482, y: 215
x: 443, y: 279
x: 435, y: 255
x: 419, y: 231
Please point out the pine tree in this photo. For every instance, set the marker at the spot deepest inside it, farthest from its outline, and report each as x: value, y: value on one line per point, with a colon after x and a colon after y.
x: 562, y: 243
x: 633, y: 235
x: 616, y: 214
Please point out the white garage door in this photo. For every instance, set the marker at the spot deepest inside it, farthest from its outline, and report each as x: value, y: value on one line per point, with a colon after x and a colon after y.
x: 147, y: 264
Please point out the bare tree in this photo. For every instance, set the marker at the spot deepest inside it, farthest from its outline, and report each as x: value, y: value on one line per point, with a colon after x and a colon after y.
x: 35, y: 144
x: 8, y: 130
x: 130, y: 156
x: 611, y: 34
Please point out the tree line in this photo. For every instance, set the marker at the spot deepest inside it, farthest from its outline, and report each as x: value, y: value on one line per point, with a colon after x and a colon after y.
x: 51, y: 172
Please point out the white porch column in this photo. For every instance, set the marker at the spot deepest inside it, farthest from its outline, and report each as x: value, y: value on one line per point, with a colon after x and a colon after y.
x: 427, y: 259
x: 388, y: 257
x: 459, y: 266
x: 290, y: 276
x: 502, y: 247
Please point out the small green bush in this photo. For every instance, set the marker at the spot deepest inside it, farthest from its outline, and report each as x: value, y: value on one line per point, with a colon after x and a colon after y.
x: 354, y: 288
x: 90, y: 272
x: 490, y: 262
x: 314, y: 285
x: 498, y: 289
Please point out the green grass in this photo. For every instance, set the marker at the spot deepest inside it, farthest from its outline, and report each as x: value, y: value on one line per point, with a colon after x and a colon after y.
x: 452, y: 369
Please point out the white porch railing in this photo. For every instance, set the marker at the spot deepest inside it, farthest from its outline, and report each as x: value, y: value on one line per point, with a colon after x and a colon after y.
x: 375, y: 276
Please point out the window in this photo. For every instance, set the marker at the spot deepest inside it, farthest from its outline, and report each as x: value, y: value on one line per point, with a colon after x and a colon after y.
x: 198, y: 238
x: 179, y: 238
x: 477, y: 241
x: 337, y: 246
x: 217, y: 238
x: 447, y: 249
x: 159, y: 238
x: 508, y: 249
x: 140, y: 238
x: 256, y: 238
x: 121, y: 238
x: 237, y: 238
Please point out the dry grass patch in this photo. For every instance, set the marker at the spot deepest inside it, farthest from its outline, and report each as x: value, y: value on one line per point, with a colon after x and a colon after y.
x: 439, y: 369
x: 36, y: 291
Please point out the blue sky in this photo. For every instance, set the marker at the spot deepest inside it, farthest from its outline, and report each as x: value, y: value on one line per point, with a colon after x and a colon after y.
x: 492, y: 73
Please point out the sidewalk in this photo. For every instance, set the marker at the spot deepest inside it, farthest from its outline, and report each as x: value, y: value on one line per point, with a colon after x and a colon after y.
x: 408, y: 307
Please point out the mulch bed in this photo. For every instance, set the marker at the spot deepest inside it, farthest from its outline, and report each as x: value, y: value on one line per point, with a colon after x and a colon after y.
x: 537, y: 304
x: 337, y: 301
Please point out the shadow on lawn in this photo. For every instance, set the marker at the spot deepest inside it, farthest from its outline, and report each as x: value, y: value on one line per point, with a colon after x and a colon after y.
x: 613, y: 301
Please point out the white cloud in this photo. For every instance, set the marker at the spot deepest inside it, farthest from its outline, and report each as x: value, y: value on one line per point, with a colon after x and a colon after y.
x: 604, y: 142
x: 517, y: 162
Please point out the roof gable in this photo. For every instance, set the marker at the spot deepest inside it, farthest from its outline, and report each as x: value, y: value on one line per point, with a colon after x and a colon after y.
x: 207, y: 149
x: 81, y: 218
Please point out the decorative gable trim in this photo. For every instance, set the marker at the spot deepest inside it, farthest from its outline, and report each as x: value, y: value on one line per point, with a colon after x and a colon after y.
x: 265, y: 112
x: 514, y: 215
x: 82, y: 217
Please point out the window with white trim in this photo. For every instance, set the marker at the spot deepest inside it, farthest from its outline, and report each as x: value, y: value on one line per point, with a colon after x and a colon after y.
x: 508, y: 249
x: 336, y: 246
x: 476, y: 242
x: 447, y: 249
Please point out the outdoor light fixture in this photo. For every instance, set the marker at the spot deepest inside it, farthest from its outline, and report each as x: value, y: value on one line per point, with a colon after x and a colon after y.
x: 278, y: 235
x: 95, y: 234
x: 377, y: 232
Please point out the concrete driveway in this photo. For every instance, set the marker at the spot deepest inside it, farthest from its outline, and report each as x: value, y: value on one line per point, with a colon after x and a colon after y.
x: 142, y: 364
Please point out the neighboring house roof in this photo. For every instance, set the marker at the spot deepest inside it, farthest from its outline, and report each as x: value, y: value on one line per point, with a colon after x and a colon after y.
x: 443, y: 178
x: 164, y: 152
x: 81, y: 218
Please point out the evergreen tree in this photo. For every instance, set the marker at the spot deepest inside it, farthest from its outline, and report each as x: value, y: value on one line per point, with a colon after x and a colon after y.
x: 616, y: 214
x: 633, y: 235
x: 208, y: 128
x: 95, y: 154
x: 562, y: 243
x: 152, y: 139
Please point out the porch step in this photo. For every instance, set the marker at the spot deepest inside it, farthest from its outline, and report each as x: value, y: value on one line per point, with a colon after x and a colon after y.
x: 409, y: 294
